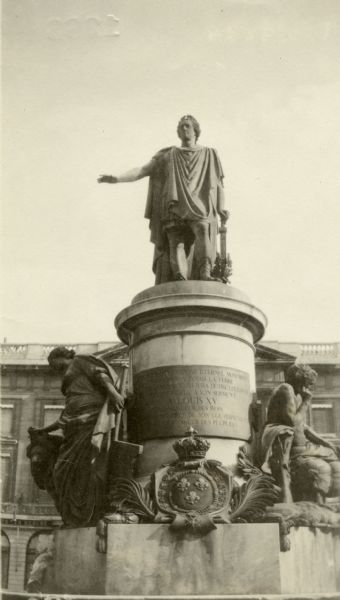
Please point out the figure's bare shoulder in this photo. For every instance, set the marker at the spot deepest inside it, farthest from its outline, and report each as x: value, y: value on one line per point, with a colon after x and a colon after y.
x: 283, y: 393
x: 284, y: 388
x: 281, y: 403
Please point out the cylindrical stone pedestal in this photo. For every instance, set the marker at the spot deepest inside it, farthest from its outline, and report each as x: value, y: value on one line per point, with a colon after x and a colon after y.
x: 191, y: 349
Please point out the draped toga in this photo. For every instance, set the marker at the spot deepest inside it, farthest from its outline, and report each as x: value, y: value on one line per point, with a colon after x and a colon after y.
x: 80, y: 470
x: 186, y: 184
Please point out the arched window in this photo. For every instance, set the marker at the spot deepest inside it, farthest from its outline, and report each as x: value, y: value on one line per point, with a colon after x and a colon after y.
x: 31, y: 554
x: 5, y: 552
x: 37, y: 544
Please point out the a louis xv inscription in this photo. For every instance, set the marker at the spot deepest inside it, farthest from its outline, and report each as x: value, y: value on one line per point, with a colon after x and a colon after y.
x: 213, y: 400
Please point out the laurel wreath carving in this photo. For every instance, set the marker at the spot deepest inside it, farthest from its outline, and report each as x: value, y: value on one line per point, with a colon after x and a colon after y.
x: 223, y: 268
x: 250, y: 500
x: 129, y: 496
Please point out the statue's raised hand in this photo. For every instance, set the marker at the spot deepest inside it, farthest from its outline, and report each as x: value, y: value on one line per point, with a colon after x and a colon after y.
x: 115, y: 402
x: 306, y: 394
x: 224, y: 216
x: 107, y: 179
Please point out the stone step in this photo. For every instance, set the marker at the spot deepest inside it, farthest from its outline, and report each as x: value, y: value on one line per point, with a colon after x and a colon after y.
x: 31, y: 596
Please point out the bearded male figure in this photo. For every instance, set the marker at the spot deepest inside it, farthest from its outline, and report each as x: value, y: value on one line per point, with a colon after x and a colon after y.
x: 184, y: 201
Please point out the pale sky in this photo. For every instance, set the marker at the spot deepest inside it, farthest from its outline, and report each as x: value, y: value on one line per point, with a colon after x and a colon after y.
x: 83, y: 97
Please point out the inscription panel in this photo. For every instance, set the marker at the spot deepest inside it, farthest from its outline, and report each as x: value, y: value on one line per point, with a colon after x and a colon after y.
x: 213, y: 400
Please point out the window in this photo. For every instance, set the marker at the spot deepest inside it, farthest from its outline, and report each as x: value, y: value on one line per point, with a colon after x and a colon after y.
x: 31, y: 554
x: 268, y: 375
x: 323, y: 418
x: 7, y: 411
x: 5, y: 552
x: 5, y: 476
x: 47, y: 412
x: 51, y: 413
x: 37, y: 544
x: 10, y: 417
x: 320, y: 382
x: 329, y: 381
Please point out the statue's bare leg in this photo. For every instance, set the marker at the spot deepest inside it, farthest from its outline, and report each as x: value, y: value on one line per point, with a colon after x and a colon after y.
x: 178, y: 259
x: 202, y: 248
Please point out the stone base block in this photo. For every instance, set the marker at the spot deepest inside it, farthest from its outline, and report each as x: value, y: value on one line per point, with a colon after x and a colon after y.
x: 313, y: 562
x: 78, y: 568
x: 225, y: 561
x: 237, y: 559
x: 26, y: 596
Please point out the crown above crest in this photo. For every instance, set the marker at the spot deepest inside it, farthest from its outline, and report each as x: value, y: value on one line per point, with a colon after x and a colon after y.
x: 191, y: 447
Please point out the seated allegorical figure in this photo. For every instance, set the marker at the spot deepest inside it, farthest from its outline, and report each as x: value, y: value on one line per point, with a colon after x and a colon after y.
x: 73, y: 467
x: 305, y: 465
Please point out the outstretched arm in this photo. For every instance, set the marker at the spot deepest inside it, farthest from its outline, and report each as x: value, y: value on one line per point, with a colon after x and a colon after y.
x: 132, y: 175
x: 53, y: 427
x: 315, y: 438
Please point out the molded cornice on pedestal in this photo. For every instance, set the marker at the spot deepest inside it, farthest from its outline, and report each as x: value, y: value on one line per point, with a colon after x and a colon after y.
x: 184, y: 298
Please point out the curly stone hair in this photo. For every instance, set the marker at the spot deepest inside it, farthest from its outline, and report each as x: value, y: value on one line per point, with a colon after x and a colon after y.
x: 301, y: 375
x: 194, y: 122
x: 60, y: 352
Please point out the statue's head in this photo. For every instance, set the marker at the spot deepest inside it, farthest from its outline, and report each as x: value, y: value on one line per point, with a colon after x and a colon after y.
x: 60, y: 358
x: 301, y: 376
x: 186, y: 125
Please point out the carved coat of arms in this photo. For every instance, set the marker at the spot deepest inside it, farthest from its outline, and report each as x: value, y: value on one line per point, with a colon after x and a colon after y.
x: 194, y: 491
x: 191, y: 493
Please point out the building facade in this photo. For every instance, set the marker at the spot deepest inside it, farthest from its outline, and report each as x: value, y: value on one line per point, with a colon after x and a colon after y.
x: 272, y: 358
x: 31, y: 397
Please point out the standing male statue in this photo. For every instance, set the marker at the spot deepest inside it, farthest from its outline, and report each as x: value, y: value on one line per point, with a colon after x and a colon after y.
x: 185, y: 198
